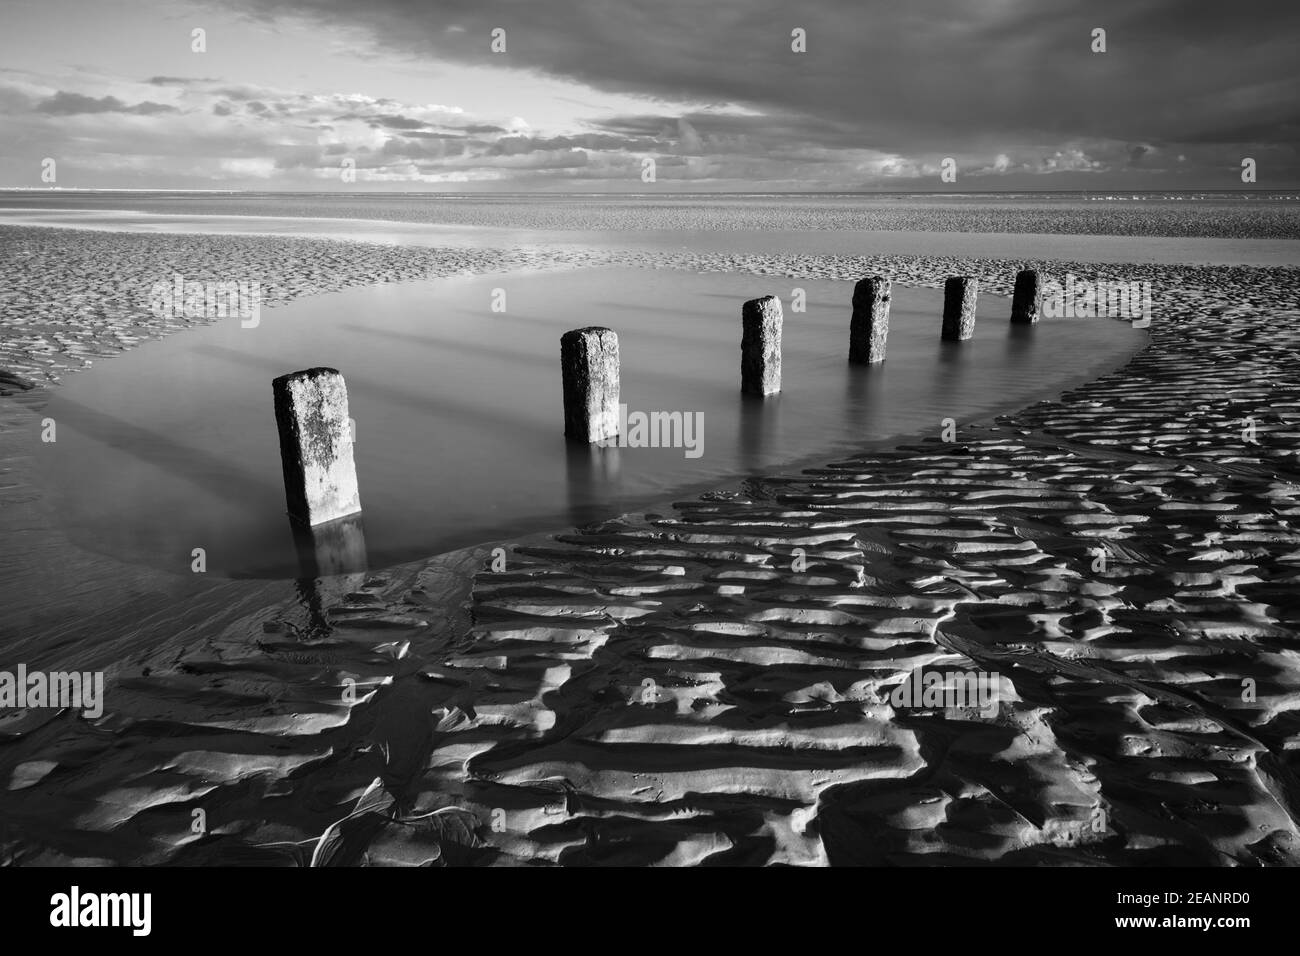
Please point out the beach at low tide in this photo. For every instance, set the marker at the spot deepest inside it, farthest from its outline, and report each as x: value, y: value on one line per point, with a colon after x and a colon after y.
x: 675, y: 684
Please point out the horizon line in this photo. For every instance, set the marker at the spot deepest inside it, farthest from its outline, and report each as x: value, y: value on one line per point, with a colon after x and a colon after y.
x: 675, y: 192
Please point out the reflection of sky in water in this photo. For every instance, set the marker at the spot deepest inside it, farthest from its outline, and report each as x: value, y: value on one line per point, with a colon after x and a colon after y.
x: 459, y: 415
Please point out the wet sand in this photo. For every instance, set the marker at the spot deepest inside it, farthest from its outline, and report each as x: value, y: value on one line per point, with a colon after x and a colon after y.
x: 666, y: 687
x: 641, y: 231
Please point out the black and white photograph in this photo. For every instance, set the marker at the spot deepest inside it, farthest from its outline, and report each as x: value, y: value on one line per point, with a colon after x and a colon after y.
x: 589, y: 434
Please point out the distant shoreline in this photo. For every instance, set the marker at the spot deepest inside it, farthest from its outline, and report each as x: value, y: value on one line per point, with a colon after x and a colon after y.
x: 1149, y: 194
x: 1219, y: 216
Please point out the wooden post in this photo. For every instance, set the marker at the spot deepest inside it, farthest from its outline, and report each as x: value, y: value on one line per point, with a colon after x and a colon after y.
x: 959, y: 295
x: 760, y: 346
x: 869, y: 327
x: 320, y: 477
x: 1028, y: 298
x: 589, y: 366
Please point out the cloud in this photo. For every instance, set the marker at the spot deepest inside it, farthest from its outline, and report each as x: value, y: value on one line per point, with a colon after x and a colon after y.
x: 178, y: 80
x: 258, y: 167
x: 883, y: 93
x: 399, y: 122
x: 688, y: 139
x: 1069, y: 160
x: 64, y: 103
x: 952, y: 77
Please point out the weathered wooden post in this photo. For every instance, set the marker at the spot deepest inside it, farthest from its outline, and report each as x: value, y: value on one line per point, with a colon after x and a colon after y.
x: 1028, y: 297
x: 320, y: 477
x: 869, y: 326
x: 589, y: 366
x: 959, y: 295
x: 760, y: 346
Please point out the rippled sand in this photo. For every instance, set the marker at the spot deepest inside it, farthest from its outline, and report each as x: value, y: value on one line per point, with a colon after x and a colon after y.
x: 666, y: 687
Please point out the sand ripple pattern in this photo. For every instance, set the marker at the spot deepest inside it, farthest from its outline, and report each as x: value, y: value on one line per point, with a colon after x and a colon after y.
x: 666, y: 689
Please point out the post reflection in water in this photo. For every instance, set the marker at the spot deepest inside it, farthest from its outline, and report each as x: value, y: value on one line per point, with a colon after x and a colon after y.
x: 332, y: 562
x: 760, y: 419
x: 336, y: 547
x: 864, y: 395
x: 1020, y: 339
x: 592, y: 477
x: 953, y: 361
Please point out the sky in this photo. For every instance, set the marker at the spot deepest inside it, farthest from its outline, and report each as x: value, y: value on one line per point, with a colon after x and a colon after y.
x: 579, y: 95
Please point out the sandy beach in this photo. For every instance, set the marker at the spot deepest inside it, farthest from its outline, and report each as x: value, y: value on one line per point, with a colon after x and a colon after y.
x: 708, y: 680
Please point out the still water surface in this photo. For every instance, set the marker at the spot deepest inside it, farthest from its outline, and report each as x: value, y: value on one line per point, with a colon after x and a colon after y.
x: 458, y: 409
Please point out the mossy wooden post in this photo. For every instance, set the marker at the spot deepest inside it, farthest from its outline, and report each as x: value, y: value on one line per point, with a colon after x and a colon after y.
x: 869, y: 327
x: 320, y: 477
x: 589, y: 366
x: 1027, y: 300
x: 760, y: 346
x: 959, y: 295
